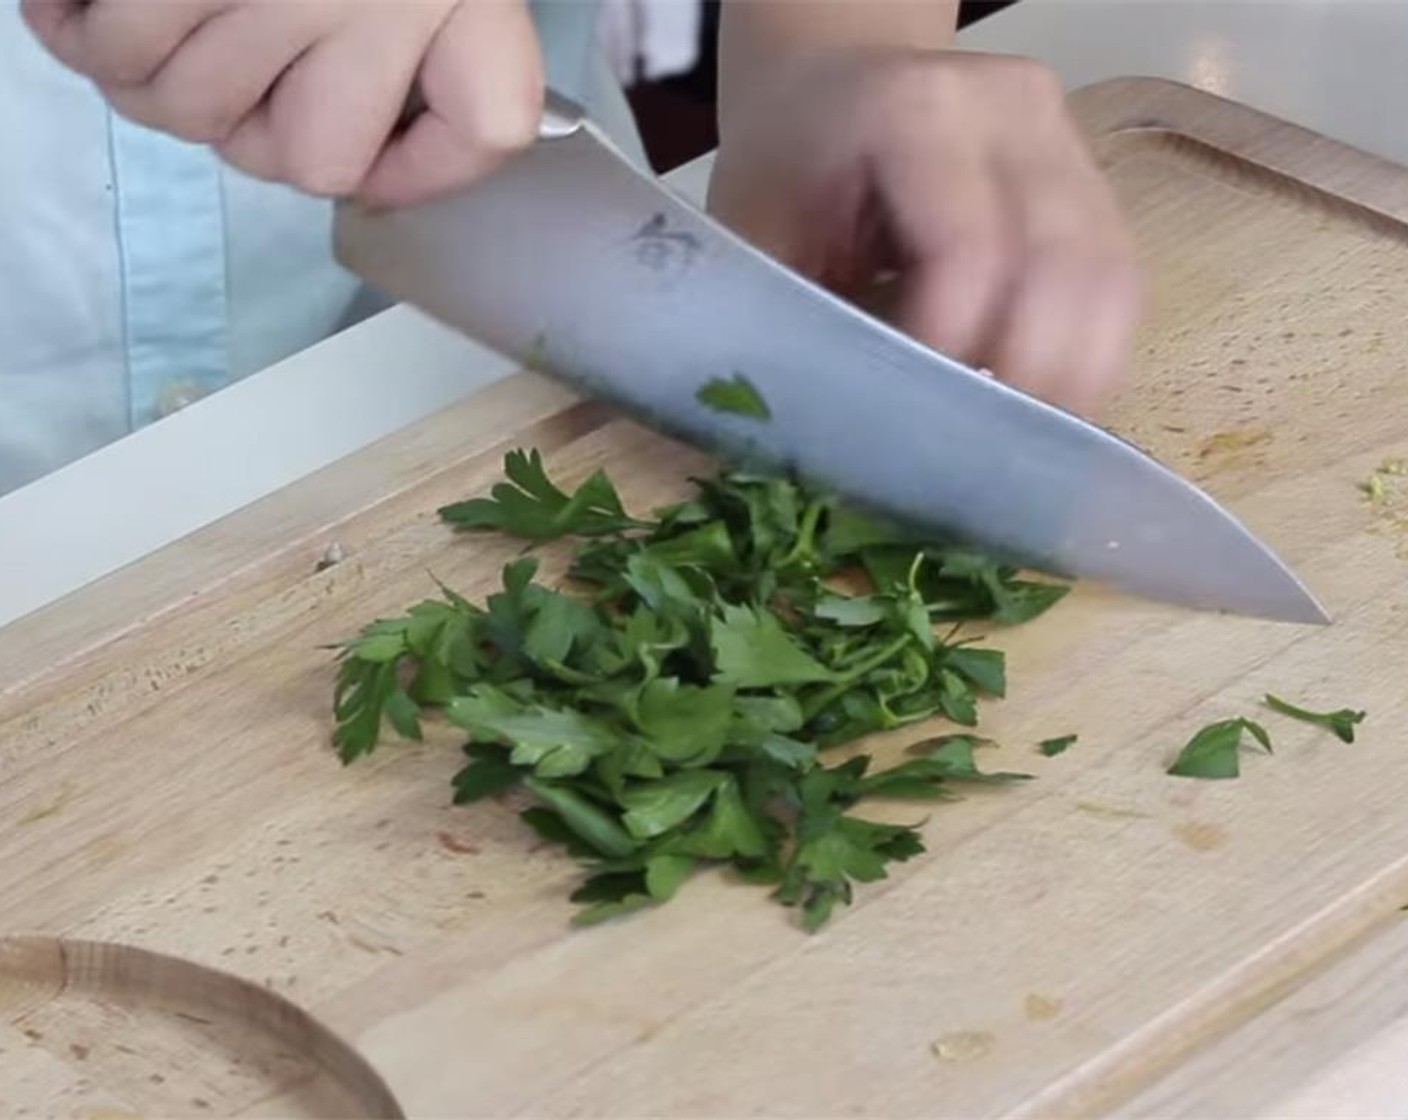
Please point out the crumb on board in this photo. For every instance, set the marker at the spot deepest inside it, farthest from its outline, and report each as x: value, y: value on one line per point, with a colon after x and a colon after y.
x: 1039, y: 1008
x: 1385, y: 491
x: 1109, y: 812
x: 458, y: 847
x: 1228, y: 444
x: 963, y: 1046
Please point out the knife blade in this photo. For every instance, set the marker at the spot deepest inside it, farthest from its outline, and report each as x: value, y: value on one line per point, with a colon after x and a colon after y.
x: 575, y: 262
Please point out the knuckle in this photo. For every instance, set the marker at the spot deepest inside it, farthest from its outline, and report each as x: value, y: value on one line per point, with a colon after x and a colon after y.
x: 917, y: 81
x: 1094, y: 274
x: 983, y: 252
x: 321, y: 161
x: 1034, y: 82
x: 128, y: 72
x: 110, y: 63
x: 1126, y: 288
x: 327, y: 178
x: 319, y: 169
x: 1116, y: 271
x: 205, y: 124
x: 510, y: 125
x: 910, y: 94
x: 1063, y: 258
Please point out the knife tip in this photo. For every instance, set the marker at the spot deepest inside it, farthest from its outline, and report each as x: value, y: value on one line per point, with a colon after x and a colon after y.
x: 1314, y: 614
x: 1298, y: 607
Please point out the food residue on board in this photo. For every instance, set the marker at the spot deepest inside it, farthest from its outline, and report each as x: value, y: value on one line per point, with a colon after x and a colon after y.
x: 1235, y: 448
x: 458, y: 847
x: 1200, y: 836
x: 963, y: 1046
x: 1385, y: 492
x: 1376, y: 486
x: 1109, y: 812
x: 1040, y: 1008
x: 52, y: 809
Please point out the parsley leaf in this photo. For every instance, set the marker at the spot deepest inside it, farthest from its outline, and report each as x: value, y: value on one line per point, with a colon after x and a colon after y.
x: 731, y: 828
x: 489, y: 772
x: 985, y: 669
x: 752, y: 650
x: 736, y: 394
x: 586, y: 820
x: 664, y: 874
x: 1052, y: 747
x: 686, y: 724
x: 555, y: 743
x: 1341, y: 722
x: 656, y: 807
x: 1214, y: 751
x: 530, y: 506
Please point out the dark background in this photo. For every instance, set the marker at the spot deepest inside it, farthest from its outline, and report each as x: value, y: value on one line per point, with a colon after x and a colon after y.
x: 676, y: 114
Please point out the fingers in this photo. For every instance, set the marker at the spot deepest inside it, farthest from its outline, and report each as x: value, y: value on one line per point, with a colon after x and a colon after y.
x: 1018, y: 258
x: 310, y: 92
x: 956, y: 241
x: 197, y: 95
x: 1068, y: 329
x: 328, y: 116
x: 116, y: 42
x: 483, y: 86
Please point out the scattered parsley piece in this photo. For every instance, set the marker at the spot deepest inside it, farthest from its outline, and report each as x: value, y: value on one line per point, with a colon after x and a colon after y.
x: 1213, y: 751
x: 735, y: 394
x: 1376, y: 486
x: 1341, y: 722
x: 1373, y: 488
x: 1052, y: 747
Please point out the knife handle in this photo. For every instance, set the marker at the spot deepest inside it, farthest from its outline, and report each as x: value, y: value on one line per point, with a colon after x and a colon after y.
x: 561, y: 115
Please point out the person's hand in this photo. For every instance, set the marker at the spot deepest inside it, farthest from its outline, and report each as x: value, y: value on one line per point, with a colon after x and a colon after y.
x: 967, y: 175
x: 311, y: 92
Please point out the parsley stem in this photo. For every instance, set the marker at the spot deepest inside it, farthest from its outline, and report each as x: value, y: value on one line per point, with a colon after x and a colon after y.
x: 806, y: 534
x: 874, y: 661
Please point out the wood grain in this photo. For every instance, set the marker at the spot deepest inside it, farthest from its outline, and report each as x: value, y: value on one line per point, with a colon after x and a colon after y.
x: 1069, y: 947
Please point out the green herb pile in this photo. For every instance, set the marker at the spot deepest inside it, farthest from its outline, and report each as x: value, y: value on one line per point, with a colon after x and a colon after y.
x: 673, y: 707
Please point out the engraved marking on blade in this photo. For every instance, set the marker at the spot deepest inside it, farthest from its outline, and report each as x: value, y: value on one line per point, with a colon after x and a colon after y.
x: 667, y: 252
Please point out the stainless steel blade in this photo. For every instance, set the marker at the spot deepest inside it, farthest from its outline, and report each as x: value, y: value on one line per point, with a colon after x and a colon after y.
x: 575, y: 262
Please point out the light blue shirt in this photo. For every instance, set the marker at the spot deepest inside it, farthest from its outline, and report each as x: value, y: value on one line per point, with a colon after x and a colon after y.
x: 138, y: 273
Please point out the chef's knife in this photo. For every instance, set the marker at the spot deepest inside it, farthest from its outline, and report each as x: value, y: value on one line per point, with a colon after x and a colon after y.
x: 575, y: 262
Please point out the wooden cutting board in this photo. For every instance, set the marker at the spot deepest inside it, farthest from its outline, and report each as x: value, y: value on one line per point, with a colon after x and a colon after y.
x: 206, y: 914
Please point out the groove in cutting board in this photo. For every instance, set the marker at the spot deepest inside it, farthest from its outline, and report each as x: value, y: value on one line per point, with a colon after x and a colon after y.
x: 93, y: 1029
